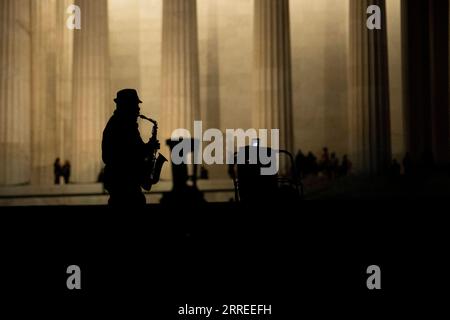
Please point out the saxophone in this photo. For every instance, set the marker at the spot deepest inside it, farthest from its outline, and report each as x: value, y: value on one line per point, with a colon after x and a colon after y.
x: 153, y: 163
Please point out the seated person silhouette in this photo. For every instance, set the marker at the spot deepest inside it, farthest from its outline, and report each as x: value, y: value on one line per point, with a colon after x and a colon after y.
x: 124, y: 153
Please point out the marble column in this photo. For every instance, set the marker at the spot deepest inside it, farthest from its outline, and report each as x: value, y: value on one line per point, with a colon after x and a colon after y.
x: 370, y: 137
x: 180, y: 89
x: 439, y: 82
x: 15, y: 91
x: 272, y: 108
x: 426, y: 79
x: 63, y: 96
x: 92, y: 100
x: 44, y: 136
x: 180, y: 103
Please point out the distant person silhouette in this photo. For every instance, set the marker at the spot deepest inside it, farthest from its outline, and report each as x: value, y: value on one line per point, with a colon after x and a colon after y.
x: 57, y: 170
x: 324, y: 163
x: 334, y: 166
x: 124, y: 153
x: 300, y: 160
x: 311, y: 165
x: 346, y: 166
x: 65, y: 172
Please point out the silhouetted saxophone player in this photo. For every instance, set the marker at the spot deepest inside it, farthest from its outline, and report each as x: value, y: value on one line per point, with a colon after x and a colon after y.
x: 130, y: 164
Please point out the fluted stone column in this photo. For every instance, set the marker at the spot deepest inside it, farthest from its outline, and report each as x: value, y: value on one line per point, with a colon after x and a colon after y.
x: 272, y: 107
x: 64, y: 65
x: 180, y: 103
x: 92, y: 101
x: 44, y: 136
x: 369, y: 90
x: 180, y: 91
x: 425, y: 35
x: 15, y: 79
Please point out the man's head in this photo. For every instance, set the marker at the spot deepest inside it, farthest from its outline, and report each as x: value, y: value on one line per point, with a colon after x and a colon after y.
x: 127, y: 102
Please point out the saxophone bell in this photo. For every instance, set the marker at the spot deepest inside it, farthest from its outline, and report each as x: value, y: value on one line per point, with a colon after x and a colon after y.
x: 153, y: 170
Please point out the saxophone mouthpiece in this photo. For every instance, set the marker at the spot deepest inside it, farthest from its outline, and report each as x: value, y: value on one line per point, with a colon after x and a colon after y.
x: 148, y: 119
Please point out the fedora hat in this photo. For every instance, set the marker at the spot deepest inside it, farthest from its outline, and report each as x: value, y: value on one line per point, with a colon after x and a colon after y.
x: 127, y: 95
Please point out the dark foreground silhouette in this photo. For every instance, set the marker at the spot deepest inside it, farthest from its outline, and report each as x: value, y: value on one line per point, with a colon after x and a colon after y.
x: 124, y: 153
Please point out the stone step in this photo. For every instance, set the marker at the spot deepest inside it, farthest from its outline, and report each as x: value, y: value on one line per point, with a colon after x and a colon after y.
x: 93, y: 194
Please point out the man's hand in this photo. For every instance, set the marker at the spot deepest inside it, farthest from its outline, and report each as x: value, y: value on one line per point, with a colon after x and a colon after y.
x: 154, y: 144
